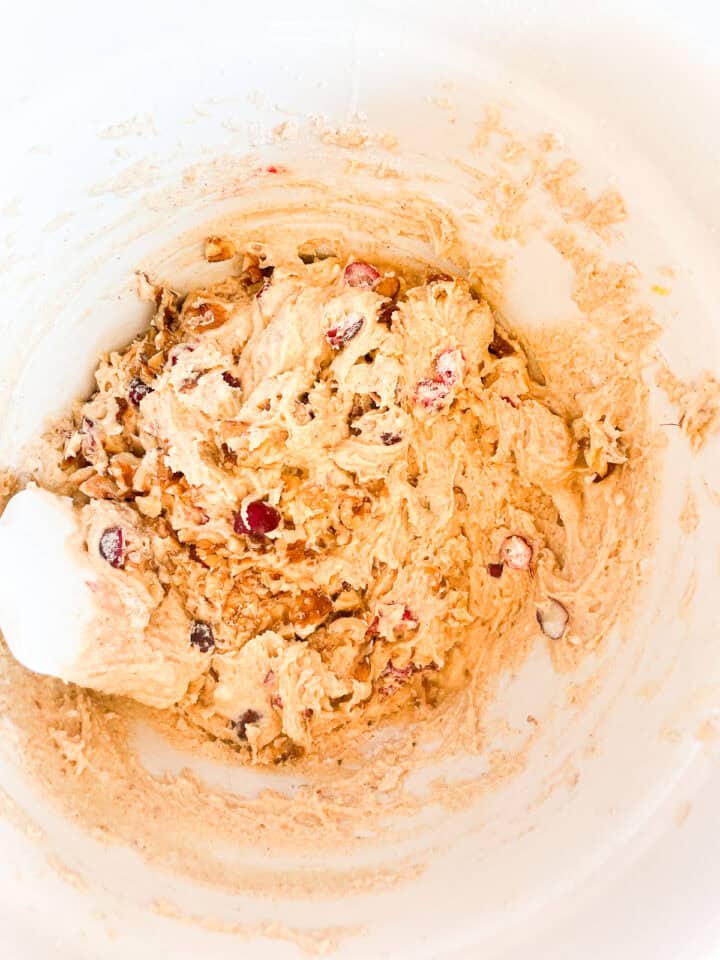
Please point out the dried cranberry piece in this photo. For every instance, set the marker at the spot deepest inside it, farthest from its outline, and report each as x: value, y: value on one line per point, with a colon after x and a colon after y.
x: 448, y: 365
x: 390, y: 438
x: 360, y: 274
x: 431, y: 393
x: 399, y: 672
x: 182, y: 348
x: 111, y: 547
x: 137, y: 390
x: 392, y: 677
x: 231, y: 381
x: 495, y: 569
x: 260, y: 518
x: 349, y: 327
x: 202, y: 636
x: 372, y: 630
x: 240, y: 726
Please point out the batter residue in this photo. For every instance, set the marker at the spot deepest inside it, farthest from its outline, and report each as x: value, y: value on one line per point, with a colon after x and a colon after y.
x: 343, y: 488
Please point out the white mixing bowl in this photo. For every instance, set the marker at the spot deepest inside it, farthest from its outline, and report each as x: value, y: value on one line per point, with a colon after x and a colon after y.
x: 607, y: 843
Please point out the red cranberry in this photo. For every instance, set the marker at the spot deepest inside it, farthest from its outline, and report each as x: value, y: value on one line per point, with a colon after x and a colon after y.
x: 202, y: 636
x: 260, y: 518
x: 137, y: 390
x: 231, y: 381
x: 372, y: 630
x: 431, y: 393
x: 360, y: 274
x: 399, y: 672
x: 495, y: 569
x: 448, y: 365
x: 392, y: 677
x: 247, y: 719
x: 182, y: 348
x: 349, y: 327
x: 111, y: 547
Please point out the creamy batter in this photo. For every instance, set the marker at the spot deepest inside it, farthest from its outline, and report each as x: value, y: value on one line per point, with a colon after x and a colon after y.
x: 323, y: 485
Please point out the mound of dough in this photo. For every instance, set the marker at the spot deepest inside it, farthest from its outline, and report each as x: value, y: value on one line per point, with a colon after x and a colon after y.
x: 348, y: 481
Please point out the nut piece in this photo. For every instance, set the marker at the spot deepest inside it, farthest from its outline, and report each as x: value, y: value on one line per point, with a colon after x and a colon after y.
x: 552, y: 617
x: 219, y: 248
x: 204, y: 315
x: 310, y: 608
x: 499, y: 346
x: 100, y: 488
x: 385, y: 313
x: 345, y: 329
x: 295, y: 551
x: 313, y: 250
x: 388, y: 287
x: 516, y: 553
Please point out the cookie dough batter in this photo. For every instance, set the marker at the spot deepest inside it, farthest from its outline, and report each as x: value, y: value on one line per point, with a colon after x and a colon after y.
x: 326, y: 485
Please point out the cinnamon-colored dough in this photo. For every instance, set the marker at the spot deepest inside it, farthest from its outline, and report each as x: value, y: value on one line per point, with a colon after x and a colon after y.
x: 398, y: 435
